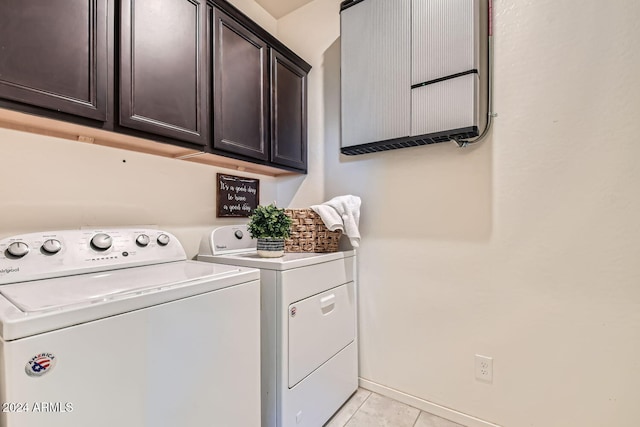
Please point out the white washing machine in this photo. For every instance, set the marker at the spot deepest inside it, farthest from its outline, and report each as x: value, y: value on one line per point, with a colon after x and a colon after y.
x: 309, y: 340
x: 115, y: 327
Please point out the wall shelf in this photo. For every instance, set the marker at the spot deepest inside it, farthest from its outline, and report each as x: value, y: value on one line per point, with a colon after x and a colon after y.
x: 43, y: 126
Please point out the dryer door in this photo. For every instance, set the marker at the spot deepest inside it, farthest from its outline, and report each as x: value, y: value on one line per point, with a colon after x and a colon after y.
x: 319, y: 327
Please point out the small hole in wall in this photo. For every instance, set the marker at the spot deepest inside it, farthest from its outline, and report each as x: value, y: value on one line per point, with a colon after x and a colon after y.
x: 124, y: 161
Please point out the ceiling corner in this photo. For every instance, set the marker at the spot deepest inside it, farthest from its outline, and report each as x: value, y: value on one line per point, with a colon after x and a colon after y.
x: 280, y: 8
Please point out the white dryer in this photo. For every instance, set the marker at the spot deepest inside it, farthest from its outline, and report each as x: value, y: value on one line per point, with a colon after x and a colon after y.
x: 309, y: 339
x: 114, y: 327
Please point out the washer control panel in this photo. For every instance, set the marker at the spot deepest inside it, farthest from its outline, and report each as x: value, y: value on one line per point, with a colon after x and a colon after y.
x: 68, y: 252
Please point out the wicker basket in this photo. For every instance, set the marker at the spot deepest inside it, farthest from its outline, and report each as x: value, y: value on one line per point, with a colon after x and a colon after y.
x: 309, y: 234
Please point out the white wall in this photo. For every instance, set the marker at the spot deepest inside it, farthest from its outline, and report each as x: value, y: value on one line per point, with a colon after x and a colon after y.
x: 526, y: 247
x: 55, y: 184
x: 256, y: 12
x: 310, y: 43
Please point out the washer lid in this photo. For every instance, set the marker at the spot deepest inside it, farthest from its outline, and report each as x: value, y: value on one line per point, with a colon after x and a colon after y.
x: 86, y: 289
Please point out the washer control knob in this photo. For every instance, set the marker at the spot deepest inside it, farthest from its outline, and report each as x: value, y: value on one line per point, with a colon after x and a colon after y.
x: 163, y: 240
x: 143, y: 240
x: 101, y: 241
x: 51, y: 246
x: 238, y: 234
x: 18, y: 249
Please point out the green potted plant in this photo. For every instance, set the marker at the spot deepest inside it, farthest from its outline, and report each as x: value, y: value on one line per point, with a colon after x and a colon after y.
x: 270, y: 226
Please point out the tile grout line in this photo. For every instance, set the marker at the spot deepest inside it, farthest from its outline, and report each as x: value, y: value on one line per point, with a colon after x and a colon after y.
x: 356, y: 411
x: 417, y: 418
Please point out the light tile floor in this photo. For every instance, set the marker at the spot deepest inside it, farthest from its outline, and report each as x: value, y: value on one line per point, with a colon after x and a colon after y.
x: 367, y: 409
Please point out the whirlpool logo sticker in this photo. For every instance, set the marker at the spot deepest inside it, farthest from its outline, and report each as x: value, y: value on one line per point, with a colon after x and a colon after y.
x: 40, y: 364
x: 9, y: 270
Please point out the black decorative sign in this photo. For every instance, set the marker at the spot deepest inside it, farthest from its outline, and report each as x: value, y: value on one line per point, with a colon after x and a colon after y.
x: 237, y: 196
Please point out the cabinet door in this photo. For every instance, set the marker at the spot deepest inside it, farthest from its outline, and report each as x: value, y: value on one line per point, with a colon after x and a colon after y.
x: 54, y: 55
x: 240, y: 89
x: 288, y: 113
x: 163, y: 68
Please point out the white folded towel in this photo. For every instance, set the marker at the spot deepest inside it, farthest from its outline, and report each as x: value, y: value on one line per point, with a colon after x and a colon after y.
x: 341, y: 213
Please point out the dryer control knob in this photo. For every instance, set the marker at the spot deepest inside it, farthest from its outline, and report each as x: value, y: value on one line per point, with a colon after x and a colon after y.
x: 238, y: 234
x: 101, y: 241
x: 143, y: 240
x: 18, y: 249
x: 163, y: 240
x: 51, y: 246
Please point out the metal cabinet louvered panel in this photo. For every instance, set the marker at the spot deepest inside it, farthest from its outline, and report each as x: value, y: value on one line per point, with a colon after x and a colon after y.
x: 414, y: 72
x: 445, y: 45
x: 449, y: 104
x: 376, y: 76
x: 444, y: 38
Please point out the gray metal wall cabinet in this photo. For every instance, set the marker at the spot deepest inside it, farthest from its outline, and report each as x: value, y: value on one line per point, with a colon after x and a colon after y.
x: 413, y: 72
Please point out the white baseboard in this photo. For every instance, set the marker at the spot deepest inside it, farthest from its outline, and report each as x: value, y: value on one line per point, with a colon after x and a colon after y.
x: 424, y: 405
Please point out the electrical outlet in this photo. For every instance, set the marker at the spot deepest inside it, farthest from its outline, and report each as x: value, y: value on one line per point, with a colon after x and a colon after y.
x: 484, y: 368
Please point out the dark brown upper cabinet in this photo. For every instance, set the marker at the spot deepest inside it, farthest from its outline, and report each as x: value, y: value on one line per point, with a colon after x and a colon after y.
x: 54, y: 55
x: 196, y: 74
x: 240, y: 89
x: 288, y: 112
x: 164, y: 68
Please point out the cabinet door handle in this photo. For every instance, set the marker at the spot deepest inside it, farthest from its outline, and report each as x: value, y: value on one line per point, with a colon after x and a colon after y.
x: 328, y: 303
